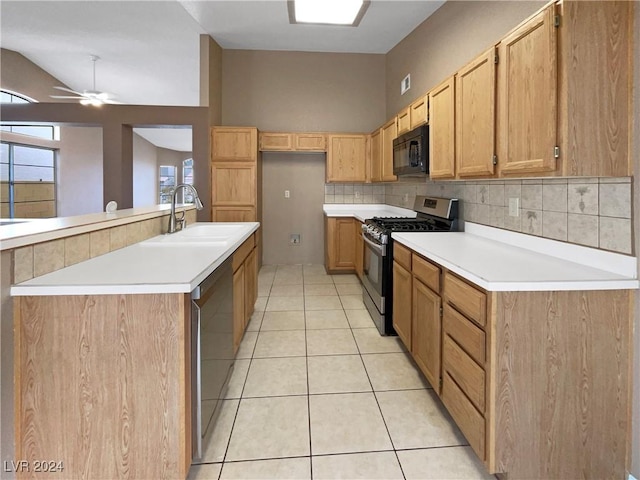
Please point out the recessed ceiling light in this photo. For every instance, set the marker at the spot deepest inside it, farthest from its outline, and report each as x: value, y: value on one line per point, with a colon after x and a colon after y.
x: 327, y: 12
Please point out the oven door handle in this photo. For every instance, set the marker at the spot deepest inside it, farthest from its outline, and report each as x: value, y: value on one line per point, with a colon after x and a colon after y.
x: 381, y: 249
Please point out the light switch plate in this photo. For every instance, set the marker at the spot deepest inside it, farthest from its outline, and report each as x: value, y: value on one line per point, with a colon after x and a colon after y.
x: 514, y: 207
x: 287, y: 194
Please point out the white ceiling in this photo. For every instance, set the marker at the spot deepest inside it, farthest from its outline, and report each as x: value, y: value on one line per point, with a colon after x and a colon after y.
x: 150, y: 49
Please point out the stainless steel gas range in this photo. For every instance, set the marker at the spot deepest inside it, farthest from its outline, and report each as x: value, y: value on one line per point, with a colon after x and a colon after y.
x: 433, y: 215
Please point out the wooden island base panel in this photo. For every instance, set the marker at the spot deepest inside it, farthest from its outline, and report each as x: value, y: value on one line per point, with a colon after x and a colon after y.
x: 102, y: 386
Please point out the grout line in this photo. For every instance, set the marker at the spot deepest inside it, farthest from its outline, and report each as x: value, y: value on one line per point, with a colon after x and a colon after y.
x: 306, y: 352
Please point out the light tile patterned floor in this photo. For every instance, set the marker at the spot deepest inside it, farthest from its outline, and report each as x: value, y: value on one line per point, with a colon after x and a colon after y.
x: 317, y: 393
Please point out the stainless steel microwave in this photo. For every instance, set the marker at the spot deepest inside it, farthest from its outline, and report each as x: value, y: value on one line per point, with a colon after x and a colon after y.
x: 411, y: 152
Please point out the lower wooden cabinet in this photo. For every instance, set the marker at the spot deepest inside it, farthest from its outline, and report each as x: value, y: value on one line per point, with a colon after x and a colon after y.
x: 245, y: 286
x: 402, y: 303
x: 238, y: 306
x: 510, y: 367
x: 425, y: 341
x: 340, y: 245
x: 359, y: 261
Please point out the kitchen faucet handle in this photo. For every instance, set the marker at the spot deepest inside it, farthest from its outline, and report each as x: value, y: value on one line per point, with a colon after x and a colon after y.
x: 181, y: 222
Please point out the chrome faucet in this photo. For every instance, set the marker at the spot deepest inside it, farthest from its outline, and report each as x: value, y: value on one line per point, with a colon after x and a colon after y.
x: 173, y: 221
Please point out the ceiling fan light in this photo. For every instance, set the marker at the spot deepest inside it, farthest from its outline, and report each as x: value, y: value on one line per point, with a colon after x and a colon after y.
x: 331, y: 12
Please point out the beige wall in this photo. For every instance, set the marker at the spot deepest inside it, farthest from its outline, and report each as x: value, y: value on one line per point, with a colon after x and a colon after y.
x: 145, y: 172
x: 456, y: 33
x: 303, y: 176
x: 299, y: 91
x: 211, y: 78
x: 80, y: 171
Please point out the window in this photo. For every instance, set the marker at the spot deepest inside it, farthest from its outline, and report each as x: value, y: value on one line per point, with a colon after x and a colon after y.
x: 167, y: 182
x: 48, y: 132
x: 27, y: 181
x: 27, y: 168
x: 187, y: 177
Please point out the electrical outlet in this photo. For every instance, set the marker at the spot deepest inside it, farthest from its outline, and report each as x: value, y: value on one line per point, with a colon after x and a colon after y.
x: 294, y: 239
x: 287, y: 194
x: 405, y: 199
x: 514, y: 207
x: 356, y: 194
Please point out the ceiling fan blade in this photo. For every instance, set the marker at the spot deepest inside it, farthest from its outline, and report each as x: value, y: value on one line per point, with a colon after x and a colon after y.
x: 113, y: 102
x: 64, y: 96
x: 64, y: 89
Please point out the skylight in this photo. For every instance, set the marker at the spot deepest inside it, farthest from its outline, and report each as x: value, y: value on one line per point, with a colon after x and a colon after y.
x: 327, y: 12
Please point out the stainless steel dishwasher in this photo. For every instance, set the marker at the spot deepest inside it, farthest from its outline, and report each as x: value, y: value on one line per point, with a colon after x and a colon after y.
x: 212, y: 353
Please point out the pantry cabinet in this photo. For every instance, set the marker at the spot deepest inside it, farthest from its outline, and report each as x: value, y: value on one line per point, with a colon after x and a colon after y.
x: 475, y: 117
x: 236, y: 175
x: 442, y: 130
x: 346, y: 158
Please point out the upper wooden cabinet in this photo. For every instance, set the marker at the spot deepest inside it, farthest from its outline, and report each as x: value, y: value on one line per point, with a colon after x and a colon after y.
x: 595, y: 75
x: 404, y: 120
x: 375, y: 163
x: 310, y: 142
x: 528, y: 96
x: 346, y: 158
x: 234, y: 144
x: 442, y: 130
x: 419, y: 112
x: 292, y: 142
x: 388, y: 132
x: 475, y: 116
x: 279, y: 142
x: 233, y: 184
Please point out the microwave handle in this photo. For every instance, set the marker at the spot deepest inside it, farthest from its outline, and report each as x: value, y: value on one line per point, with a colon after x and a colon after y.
x: 414, y: 153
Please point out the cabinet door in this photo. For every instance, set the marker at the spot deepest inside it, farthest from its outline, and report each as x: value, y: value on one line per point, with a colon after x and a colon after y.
x: 404, y: 121
x: 389, y: 134
x: 233, y: 214
x: 346, y: 158
x: 527, y: 96
x: 341, y: 248
x: 233, y: 184
x: 475, y: 116
x: 376, y: 156
x: 359, y: 262
x: 419, y: 112
x: 402, y: 303
x: 276, y: 142
x: 250, y: 285
x: 234, y: 144
x: 427, y: 325
x: 310, y: 142
x: 441, y: 130
x: 238, y: 306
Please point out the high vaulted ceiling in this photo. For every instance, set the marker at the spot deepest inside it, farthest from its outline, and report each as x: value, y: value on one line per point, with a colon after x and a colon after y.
x: 150, y: 49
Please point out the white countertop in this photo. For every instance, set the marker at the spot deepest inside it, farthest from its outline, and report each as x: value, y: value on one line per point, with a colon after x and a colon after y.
x: 16, y: 234
x: 362, y: 211
x: 174, y: 263
x: 498, y: 260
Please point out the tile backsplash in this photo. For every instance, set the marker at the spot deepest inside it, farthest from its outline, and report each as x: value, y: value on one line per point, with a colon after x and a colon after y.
x: 595, y: 212
x: 354, y: 193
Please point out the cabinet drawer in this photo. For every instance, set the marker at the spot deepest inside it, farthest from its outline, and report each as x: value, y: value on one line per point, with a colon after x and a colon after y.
x: 402, y: 255
x: 467, y: 374
x: 466, y: 299
x: 243, y: 250
x: 469, y: 420
x: 465, y: 333
x: 426, y: 272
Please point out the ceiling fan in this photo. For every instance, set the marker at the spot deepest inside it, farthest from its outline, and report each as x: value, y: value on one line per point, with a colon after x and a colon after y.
x: 88, y: 97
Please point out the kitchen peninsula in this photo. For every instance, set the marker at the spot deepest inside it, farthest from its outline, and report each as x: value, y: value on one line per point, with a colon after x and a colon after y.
x: 103, y: 355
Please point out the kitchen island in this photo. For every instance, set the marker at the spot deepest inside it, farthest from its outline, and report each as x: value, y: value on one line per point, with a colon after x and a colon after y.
x: 103, y: 357
x: 527, y: 342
